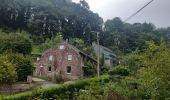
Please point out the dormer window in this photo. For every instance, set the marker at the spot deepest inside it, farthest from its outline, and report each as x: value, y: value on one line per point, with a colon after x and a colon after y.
x: 50, y: 58
x: 61, y: 47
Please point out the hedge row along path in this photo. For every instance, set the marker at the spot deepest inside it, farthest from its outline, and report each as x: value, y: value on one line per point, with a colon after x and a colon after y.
x: 54, y: 91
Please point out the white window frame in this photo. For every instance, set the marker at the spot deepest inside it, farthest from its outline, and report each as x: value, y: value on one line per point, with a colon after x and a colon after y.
x: 38, y: 59
x: 69, y: 57
x: 61, y: 47
x: 50, y: 58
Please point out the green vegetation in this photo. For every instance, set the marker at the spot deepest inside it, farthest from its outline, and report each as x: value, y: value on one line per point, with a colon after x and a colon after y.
x: 83, y: 46
x: 149, y: 81
x: 7, y: 72
x: 15, y: 43
x: 16, y: 48
x: 24, y: 66
x: 28, y: 27
x: 65, y: 91
x: 39, y: 49
x: 120, y: 70
x: 44, y: 19
x: 125, y: 38
x: 154, y: 77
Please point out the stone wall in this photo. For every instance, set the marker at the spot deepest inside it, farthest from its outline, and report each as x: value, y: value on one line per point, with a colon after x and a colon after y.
x: 59, y: 63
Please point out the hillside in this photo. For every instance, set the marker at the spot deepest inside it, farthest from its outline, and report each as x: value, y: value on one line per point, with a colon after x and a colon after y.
x: 29, y: 27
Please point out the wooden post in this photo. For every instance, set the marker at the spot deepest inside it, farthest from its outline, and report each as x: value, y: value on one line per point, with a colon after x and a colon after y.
x: 98, y: 57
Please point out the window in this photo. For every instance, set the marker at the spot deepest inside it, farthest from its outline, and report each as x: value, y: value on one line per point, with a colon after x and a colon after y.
x: 38, y: 58
x: 50, y: 58
x: 107, y: 56
x: 68, y: 69
x: 70, y: 57
x: 49, y: 68
x: 61, y: 47
x: 41, y: 66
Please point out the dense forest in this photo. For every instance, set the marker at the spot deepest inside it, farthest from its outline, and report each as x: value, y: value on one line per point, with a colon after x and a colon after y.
x: 43, y: 20
x: 28, y: 27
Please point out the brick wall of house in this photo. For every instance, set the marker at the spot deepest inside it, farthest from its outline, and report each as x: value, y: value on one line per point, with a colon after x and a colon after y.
x: 59, y: 63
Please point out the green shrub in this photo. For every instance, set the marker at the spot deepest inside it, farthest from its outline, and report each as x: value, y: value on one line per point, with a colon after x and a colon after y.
x: 120, y: 70
x: 124, y: 71
x: 89, y: 70
x: 64, y: 91
x: 7, y: 71
x: 23, y: 64
x: 58, y: 78
x: 105, y: 70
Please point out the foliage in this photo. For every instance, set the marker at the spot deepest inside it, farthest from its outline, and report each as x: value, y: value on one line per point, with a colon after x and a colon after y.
x: 126, y: 88
x: 89, y: 69
x: 105, y: 91
x: 120, y: 70
x: 38, y: 49
x: 133, y: 61
x: 23, y: 65
x: 83, y: 46
x: 149, y: 82
x: 151, y: 79
x: 93, y: 92
x: 142, y: 74
x: 63, y: 91
x: 154, y: 77
x: 127, y: 37
x: 43, y: 18
x: 58, y: 78
x: 15, y: 43
x: 8, y: 71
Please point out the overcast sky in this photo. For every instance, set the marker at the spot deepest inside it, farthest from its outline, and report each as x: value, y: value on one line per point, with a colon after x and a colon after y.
x: 158, y: 12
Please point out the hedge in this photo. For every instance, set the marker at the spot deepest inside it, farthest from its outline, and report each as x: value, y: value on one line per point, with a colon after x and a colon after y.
x: 52, y: 92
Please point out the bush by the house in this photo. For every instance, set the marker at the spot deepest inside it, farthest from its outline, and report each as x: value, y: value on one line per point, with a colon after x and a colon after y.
x: 7, y: 71
x: 23, y: 64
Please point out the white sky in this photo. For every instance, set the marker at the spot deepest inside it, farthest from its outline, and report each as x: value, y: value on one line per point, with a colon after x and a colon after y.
x: 158, y: 12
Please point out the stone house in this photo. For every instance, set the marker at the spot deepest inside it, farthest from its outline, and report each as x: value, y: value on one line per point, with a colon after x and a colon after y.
x: 109, y: 58
x: 64, y: 60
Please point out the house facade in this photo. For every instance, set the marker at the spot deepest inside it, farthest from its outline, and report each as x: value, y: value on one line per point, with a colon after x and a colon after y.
x: 109, y: 58
x: 64, y: 60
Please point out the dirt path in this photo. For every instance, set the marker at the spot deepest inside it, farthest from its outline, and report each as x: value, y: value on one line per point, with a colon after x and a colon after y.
x: 34, y: 79
x: 43, y: 83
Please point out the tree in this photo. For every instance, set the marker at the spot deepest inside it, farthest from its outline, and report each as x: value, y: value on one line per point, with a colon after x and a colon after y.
x: 83, y: 46
x: 15, y: 43
x: 23, y: 66
x: 84, y: 4
x: 115, y: 25
x: 50, y: 43
x: 128, y: 37
x: 154, y: 76
x: 44, y: 18
x: 8, y: 73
